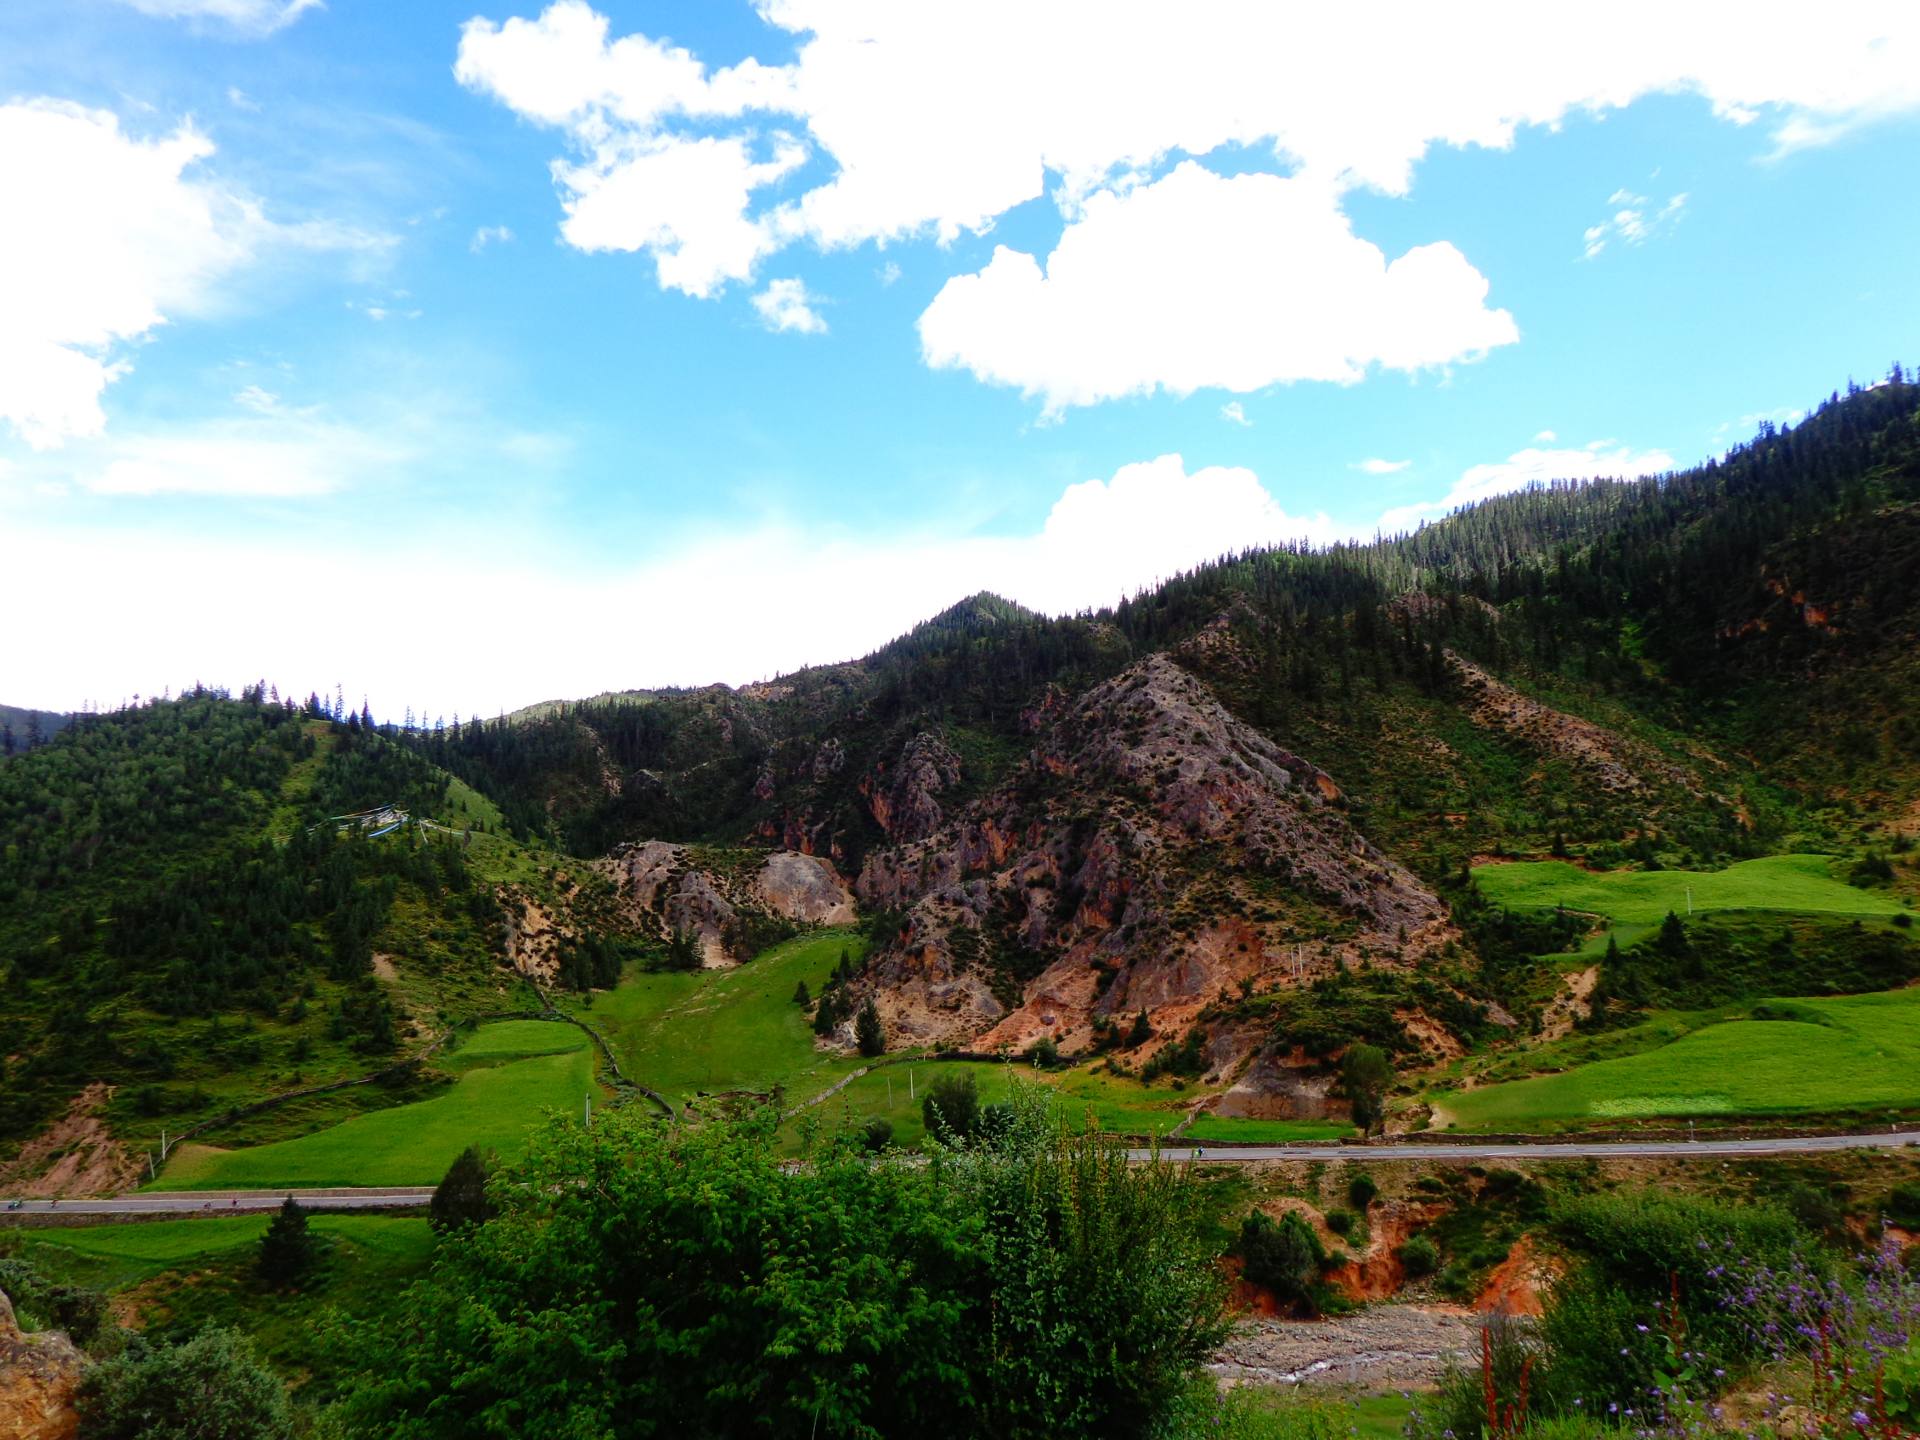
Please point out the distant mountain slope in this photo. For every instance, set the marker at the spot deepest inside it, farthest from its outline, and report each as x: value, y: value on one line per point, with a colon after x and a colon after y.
x: 21, y: 729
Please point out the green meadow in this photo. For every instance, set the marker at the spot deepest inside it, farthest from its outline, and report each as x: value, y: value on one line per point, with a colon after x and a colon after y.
x: 510, y: 1074
x: 1799, y: 883
x: 684, y: 1033
x: 1845, y: 1053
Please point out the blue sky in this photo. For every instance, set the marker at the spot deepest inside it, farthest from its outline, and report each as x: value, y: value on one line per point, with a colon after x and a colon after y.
x: 469, y: 357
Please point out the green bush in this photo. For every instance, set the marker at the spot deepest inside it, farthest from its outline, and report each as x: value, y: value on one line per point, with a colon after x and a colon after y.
x: 1283, y: 1255
x: 1340, y: 1222
x: 951, y: 1108
x: 210, y: 1388
x: 1362, y: 1191
x: 1903, y: 1204
x: 647, y: 1279
x: 876, y: 1135
x: 1420, y: 1255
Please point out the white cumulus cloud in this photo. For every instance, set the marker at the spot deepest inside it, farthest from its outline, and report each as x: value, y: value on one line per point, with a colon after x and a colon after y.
x: 786, y: 305
x: 489, y: 235
x: 1259, y: 279
x: 894, y: 121
x: 1374, y: 466
x: 1234, y: 411
x: 108, y: 237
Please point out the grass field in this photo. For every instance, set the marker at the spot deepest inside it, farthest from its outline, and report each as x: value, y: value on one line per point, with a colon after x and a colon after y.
x: 1846, y: 1053
x: 1114, y: 1103
x: 1264, y: 1132
x: 495, y: 1101
x: 1802, y: 883
x: 116, y: 1256
x: 717, y: 1030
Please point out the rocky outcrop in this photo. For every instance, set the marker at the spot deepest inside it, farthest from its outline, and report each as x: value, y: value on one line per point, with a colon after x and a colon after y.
x: 805, y: 888
x: 902, y: 796
x: 1153, y: 852
x: 1615, y: 763
x: 39, y: 1374
x: 712, y: 896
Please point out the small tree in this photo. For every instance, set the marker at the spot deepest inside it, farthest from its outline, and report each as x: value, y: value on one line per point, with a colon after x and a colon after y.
x: 288, y: 1249
x: 1285, y: 1256
x: 868, y: 1032
x: 461, y: 1197
x: 1366, y: 1075
x: 1141, y: 1031
x: 877, y: 1134
x: 801, y: 997
x: 210, y: 1388
x: 951, y: 1108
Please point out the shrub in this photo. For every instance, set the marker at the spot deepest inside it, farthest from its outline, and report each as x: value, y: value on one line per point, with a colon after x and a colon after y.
x: 1340, y: 1222
x: 210, y: 1388
x: 1284, y: 1255
x: 951, y: 1108
x: 1903, y: 1204
x: 1362, y: 1191
x: 876, y: 1135
x: 1044, y: 1285
x: 1420, y: 1255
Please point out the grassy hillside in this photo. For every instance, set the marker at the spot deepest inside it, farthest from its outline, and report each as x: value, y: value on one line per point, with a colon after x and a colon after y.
x: 184, y: 928
x: 1859, y: 1053
x: 1799, y: 884
x: 510, y: 1075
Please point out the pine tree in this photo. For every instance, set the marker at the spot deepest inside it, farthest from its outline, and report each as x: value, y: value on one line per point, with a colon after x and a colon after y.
x: 868, y: 1032
x: 461, y: 1197
x: 288, y: 1250
x: 800, y: 995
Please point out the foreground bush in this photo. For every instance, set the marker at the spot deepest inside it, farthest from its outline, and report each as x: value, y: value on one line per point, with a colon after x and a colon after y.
x: 210, y: 1388
x: 639, y: 1279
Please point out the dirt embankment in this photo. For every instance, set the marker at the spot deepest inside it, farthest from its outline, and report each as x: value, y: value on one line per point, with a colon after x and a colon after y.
x: 73, y: 1156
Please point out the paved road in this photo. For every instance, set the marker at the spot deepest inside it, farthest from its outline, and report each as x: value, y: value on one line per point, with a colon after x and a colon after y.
x: 224, y: 1202
x: 1542, y: 1150
x: 228, y: 1202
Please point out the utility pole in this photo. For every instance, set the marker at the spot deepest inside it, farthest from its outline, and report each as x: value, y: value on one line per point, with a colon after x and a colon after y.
x: 588, y: 1118
x: 1689, y: 899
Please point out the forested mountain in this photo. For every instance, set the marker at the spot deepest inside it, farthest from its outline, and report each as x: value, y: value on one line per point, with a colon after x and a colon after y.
x: 1267, y: 774
x: 186, y: 916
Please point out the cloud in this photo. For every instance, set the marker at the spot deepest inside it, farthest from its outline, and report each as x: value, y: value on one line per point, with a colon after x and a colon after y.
x: 786, y: 305
x: 1234, y: 411
x: 887, y: 274
x: 1380, y: 467
x: 1258, y: 280
x: 1633, y: 221
x: 876, y: 129
x: 252, y: 18
x: 489, y: 235
x: 1103, y: 539
x: 240, y: 100
x: 109, y: 237
x: 1531, y: 466
x: 1546, y: 437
